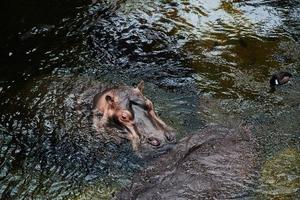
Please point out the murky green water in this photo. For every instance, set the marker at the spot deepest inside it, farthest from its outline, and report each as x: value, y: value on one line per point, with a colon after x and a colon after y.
x: 202, y: 61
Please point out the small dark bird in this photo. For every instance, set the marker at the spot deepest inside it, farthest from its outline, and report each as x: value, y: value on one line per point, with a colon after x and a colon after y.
x: 280, y: 78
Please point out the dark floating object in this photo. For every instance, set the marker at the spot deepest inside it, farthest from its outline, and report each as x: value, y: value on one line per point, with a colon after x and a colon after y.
x: 280, y: 78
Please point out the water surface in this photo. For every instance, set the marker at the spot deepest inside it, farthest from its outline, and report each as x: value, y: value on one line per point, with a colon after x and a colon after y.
x: 203, y: 62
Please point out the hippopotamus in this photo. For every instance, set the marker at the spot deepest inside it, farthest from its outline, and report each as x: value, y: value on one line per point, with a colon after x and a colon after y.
x: 126, y: 108
x: 216, y: 162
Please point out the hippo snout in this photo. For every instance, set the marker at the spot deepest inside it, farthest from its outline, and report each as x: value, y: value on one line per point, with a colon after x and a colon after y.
x: 169, y: 138
x: 153, y: 141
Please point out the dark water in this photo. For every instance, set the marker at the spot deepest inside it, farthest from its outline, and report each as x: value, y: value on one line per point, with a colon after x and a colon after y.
x: 202, y: 61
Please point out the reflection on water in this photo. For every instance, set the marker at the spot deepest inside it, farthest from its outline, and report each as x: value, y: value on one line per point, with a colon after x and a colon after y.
x: 280, y: 175
x: 202, y: 61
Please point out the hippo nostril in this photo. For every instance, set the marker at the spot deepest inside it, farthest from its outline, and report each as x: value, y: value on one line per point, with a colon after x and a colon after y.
x: 170, y: 137
x: 153, y: 141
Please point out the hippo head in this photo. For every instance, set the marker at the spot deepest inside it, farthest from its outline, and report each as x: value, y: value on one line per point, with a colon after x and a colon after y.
x: 128, y: 109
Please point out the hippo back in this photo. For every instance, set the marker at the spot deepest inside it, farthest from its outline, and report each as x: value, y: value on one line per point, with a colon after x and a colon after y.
x: 216, y: 163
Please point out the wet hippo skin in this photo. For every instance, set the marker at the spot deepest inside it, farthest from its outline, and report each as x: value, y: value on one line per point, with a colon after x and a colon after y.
x: 216, y: 163
x: 126, y: 108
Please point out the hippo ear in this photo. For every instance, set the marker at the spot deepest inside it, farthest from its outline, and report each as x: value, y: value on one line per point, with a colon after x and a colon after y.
x: 140, y: 86
x: 109, y: 99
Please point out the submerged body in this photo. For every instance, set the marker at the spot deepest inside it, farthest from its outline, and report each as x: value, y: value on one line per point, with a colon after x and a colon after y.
x: 215, y: 163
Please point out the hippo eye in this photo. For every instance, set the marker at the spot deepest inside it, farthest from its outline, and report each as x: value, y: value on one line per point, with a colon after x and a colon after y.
x: 125, y: 117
